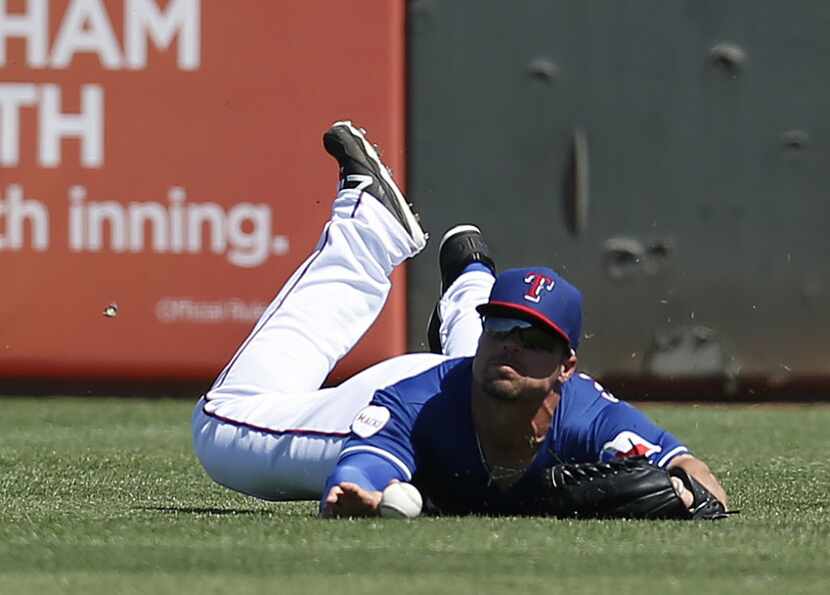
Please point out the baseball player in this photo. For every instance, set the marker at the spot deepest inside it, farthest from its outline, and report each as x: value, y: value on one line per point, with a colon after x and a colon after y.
x: 512, y: 429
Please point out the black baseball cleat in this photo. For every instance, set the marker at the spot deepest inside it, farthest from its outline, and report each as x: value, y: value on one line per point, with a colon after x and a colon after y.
x: 362, y: 169
x: 461, y: 246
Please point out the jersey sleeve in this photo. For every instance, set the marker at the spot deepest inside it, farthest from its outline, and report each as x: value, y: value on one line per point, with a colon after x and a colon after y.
x: 621, y: 431
x: 384, y: 429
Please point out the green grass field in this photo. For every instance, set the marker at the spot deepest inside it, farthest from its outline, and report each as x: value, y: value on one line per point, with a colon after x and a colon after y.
x: 104, y: 496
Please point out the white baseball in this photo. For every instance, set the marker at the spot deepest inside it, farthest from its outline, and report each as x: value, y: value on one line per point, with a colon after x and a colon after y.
x: 401, y: 501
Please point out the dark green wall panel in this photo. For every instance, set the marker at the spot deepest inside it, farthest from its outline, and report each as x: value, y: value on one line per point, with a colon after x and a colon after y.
x: 721, y: 164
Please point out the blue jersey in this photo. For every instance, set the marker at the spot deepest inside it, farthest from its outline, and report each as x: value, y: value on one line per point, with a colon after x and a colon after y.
x: 421, y: 430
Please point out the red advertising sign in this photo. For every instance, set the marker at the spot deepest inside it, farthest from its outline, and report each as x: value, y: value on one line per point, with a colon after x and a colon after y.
x: 162, y: 173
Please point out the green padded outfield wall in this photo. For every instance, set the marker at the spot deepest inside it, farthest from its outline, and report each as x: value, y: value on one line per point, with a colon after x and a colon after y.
x: 669, y: 157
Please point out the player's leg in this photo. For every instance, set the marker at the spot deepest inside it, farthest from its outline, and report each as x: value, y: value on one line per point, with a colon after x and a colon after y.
x: 264, y: 429
x: 467, y: 275
x: 338, y: 292
x: 283, y: 447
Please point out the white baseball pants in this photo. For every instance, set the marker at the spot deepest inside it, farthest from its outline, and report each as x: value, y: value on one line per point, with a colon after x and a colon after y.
x: 266, y: 428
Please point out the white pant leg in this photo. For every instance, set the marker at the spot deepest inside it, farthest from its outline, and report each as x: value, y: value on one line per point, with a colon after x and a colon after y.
x: 460, y: 322
x: 327, y: 304
x: 264, y: 428
x: 283, y: 447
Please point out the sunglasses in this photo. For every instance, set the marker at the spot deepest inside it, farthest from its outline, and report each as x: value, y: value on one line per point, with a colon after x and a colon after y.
x: 528, y: 335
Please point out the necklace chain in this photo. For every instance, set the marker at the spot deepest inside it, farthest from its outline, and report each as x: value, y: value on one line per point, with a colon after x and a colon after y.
x: 499, y: 472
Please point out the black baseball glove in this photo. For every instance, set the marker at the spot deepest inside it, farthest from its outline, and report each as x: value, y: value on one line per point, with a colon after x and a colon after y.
x: 628, y: 488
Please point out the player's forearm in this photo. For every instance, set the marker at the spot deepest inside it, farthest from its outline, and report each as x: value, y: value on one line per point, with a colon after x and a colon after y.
x: 349, y: 474
x: 369, y: 471
x: 348, y: 492
x: 701, y: 472
x: 355, y: 485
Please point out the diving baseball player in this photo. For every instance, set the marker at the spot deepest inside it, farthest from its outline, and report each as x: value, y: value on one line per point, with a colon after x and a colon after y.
x: 511, y: 430
x: 265, y: 428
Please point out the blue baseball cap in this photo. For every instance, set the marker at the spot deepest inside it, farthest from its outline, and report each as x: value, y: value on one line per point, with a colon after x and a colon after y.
x: 539, y: 295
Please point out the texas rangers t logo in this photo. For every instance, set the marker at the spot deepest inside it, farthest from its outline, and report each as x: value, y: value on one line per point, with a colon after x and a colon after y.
x: 538, y: 284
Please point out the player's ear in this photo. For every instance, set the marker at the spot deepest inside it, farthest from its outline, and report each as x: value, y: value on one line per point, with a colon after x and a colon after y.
x: 568, y: 367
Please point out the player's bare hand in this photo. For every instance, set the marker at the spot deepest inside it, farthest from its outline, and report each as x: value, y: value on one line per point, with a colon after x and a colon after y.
x: 685, y: 495
x: 350, y: 500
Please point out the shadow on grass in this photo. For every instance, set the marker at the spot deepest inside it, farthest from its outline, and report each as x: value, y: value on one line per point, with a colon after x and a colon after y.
x: 205, y: 510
